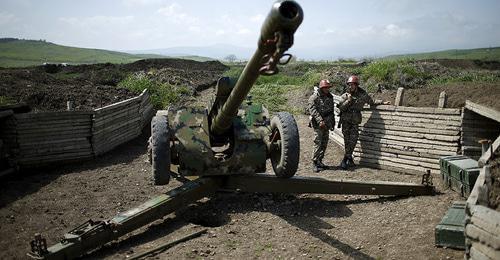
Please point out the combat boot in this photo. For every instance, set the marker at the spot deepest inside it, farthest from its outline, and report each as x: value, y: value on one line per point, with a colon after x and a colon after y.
x: 316, y: 167
x: 343, y: 164
x: 350, y: 162
x: 322, y: 165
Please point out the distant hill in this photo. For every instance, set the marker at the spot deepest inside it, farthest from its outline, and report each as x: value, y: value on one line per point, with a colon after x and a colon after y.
x: 486, y: 54
x: 20, y: 53
x: 215, y: 51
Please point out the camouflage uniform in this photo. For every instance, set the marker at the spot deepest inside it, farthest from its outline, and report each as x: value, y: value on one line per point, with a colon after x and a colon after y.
x: 350, y: 117
x: 321, y: 108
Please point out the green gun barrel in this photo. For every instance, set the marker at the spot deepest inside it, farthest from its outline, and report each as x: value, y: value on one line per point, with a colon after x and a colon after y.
x: 276, y: 37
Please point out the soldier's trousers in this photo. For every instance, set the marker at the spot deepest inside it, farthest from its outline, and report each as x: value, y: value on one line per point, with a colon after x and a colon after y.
x: 320, y: 143
x: 351, y: 134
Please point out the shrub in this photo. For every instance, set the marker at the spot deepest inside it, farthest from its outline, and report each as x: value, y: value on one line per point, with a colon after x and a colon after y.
x: 162, y: 94
x: 5, y: 101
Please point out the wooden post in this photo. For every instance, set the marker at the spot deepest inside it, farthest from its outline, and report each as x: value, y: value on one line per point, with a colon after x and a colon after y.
x: 399, y: 97
x: 443, y: 99
x: 69, y: 105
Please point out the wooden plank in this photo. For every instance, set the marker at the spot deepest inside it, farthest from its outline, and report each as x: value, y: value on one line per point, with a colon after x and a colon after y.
x: 429, y: 156
x: 105, y: 147
x: 55, y: 157
x: 53, y: 133
x: 104, y: 136
x: 117, y: 113
x: 120, y: 136
x: 447, y: 138
x: 116, y: 142
x: 483, y: 110
x: 55, y: 126
x: 43, y: 138
x: 110, y: 121
x: 391, y: 118
x: 118, y: 105
x: 412, y: 115
x: 492, y: 240
x: 360, y: 150
x: 408, y: 144
x: 56, y: 142
x: 421, y: 110
x: 397, y: 167
x: 103, y: 139
x: 55, y: 114
x: 70, y: 158
x: 476, y: 253
x: 135, y: 122
x: 486, y: 219
x: 7, y: 172
x: 410, y: 125
x: 411, y: 129
x: 144, y: 92
x: 423, y: 151
x: 145, y: 99
x: 6, y: 113
x: 116, y: 121
x: 396, y: 160
x: 111, y: 113
x: 55, y: 130
x: 146, y: 108
x: 55, y: 150
x: 148, y: 114
x: 407, y: 139
x: 38, y: 123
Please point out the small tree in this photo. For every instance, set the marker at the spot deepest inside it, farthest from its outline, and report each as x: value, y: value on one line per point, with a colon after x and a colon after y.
x: 231, y: 58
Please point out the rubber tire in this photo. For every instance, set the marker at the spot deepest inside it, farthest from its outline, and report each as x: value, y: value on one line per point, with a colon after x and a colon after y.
x: 285, y: 161
x: 160, y: 150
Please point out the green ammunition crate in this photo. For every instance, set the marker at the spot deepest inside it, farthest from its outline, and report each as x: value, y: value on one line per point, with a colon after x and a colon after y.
x: 450, y: 231
x: 469, y: 177
x: 459, y: 173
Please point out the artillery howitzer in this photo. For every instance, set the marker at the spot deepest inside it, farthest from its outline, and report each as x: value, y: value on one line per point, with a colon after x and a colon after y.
x: 231, y: 135
x: 226, y: 145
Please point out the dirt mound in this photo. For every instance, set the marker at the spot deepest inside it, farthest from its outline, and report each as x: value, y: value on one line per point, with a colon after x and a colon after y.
x: 467, y: 64
x: 486, y: 94
x: 94, y: 86
x: 494, y: 193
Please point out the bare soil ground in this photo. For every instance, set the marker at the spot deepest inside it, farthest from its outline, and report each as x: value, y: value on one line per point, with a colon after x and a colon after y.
x: 94, y: 86
x: 240, y: 226
x: 486, y: 94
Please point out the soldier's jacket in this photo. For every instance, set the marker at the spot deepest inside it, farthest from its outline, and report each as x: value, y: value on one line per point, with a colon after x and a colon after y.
x: 351, y: 111
x: 321, y: 108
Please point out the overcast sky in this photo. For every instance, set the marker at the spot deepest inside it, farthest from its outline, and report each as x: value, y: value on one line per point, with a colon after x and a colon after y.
x: 330, y: 28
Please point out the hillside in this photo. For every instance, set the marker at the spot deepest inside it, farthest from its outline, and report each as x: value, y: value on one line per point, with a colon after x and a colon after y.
x: 485, y: 54
x: 20, y: 53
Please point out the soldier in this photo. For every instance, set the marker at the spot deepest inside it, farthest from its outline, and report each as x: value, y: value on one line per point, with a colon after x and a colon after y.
x: 351, y: 103
x: 321, y: 108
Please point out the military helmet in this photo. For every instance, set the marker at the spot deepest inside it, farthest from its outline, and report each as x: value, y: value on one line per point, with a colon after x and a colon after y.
x: 353, y: 79
x: 324, y: 83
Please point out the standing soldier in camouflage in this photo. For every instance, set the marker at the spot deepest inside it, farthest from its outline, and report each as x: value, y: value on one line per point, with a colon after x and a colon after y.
x: 351, y: 103
x: 321, y: 108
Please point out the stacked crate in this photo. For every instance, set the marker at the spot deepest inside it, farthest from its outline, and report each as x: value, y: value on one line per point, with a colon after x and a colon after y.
x: 459, y: 173
x: 450, y: 231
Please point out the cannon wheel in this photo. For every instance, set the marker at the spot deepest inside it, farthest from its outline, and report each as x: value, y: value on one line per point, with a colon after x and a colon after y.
x: 285, y: 145
x: 160, y: 150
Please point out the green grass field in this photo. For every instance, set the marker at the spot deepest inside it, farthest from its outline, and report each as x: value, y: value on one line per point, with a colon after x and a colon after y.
x: 485, y: 54
x: 21, y: 53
